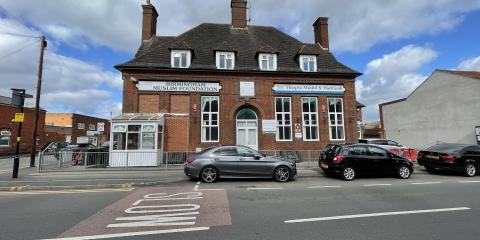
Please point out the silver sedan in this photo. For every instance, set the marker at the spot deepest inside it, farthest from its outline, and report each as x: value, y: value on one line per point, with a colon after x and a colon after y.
x: 237, y: 162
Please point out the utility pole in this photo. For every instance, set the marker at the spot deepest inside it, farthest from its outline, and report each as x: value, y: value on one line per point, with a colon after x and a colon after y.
x: 18, y: 100
x: 43, y: 45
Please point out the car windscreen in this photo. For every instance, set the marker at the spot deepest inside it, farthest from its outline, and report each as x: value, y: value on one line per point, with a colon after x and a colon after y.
x: 446, y: 148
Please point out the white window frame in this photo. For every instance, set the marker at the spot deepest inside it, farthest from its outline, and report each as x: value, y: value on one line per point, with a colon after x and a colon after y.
x: 227, y: 56
x: 210, y: 125
x: 91, y: 127
x: 336, y: 114
x: 267, y: 57
x: 81, y: 126
x: 308, y: 58
x: 283, y: 113
x: 178, y: 53
x: 309, y: 114
x: 6, y: 133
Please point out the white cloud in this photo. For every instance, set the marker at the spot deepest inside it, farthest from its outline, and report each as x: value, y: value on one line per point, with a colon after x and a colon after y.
x: 353, y: 26
x: 69, y: 84
x: 391, y: 77
x: 471, y: 64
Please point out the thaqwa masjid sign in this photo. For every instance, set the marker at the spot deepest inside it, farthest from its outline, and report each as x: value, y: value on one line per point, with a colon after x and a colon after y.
x: 178, y: 86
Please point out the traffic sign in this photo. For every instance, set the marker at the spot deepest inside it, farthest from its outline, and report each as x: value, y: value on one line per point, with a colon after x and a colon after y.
x: 19, y: 117
x: 101, y: 126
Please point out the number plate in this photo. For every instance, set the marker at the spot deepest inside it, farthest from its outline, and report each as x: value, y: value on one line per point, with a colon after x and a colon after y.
x: 432, y: 157
x: 324, y: 165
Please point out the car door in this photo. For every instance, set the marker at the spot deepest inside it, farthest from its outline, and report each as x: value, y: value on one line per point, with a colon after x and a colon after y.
x: 226, y: 161
x: 357, y: 156
x: 473, y: 153
x: 380, y: 160
x: 250, y: 166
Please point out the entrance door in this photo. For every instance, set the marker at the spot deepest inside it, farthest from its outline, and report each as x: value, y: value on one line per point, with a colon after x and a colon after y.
x: 247, y: 128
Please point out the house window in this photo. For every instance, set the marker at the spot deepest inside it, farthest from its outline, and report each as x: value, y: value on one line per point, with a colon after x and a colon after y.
x: 267, y: 62
x: 225, y: 60
x: 310, y: 119
x: 308, y: 63
x: 91, y: 127
x: 181, y: 58
x: 5, y: 138
x: 283, y: 115
x: 335, y: 117
x: 81, y: 126
x: 210, y: 112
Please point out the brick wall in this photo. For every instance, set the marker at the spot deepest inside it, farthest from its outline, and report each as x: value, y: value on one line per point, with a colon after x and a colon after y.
x: 263, y: 104
x: 87, y: 120
x: 176, y: 134
x: 59, y: 119
x: 7, y: 114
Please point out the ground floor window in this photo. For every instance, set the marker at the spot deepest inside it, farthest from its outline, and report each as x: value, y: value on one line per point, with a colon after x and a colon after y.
x: 5, y: 138
x: 335, y: 117
x: 283, y: 115
x: 134, y: 136
x: 310, y: 118
x: 210, y: 121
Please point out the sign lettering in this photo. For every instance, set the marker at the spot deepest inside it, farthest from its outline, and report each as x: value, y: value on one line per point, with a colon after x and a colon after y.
x: 163, y: 86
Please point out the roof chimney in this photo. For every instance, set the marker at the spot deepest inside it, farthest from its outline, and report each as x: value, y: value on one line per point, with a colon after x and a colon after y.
x: 320, y: 28
x: 239, y: 13
x: 149, y: 26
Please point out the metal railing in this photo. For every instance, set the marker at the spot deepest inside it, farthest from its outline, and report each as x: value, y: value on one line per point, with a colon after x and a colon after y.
x: 78, y: 160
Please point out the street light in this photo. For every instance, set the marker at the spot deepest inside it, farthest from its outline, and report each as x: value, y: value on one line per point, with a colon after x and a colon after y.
x: 18, y: 100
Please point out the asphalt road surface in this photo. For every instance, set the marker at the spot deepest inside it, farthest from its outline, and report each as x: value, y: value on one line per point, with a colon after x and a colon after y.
x: 443, y: 206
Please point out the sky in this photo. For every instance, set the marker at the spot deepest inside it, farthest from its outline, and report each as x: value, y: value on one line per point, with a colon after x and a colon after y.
x: 395, y: 44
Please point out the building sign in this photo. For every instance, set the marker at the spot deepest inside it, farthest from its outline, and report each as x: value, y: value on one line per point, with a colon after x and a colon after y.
x: 307, y: 88
x: 93, y: 133
x: 298, y: 131
x: 82, y: 140
x: 19, y: 117
x: 269, y: 126
x: 101, y: 126
x: 247, y: 89
x: 5, y: 133
x: 178, y: 86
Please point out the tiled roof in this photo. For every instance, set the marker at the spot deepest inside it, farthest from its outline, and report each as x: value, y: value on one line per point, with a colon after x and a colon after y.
x: 207, y: 38
x: 472, y: 74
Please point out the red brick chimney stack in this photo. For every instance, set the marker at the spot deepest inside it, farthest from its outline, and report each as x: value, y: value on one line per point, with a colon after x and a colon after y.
x: 320, y: 27
x: 149, y: 26
x: 239, y: 13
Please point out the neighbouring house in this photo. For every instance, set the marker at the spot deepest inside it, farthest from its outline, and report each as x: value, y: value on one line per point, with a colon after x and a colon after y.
x: 234, y: 83
x: 371, y: 130
x: 444, y: 108
x: 76, y: 128
x: 9, y: 129
x: 360, y: 123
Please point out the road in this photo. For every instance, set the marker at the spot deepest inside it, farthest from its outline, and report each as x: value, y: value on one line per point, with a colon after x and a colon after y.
x: 443, y: 206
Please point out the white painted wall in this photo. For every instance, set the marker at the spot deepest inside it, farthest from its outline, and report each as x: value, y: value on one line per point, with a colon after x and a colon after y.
x: 446, y: 107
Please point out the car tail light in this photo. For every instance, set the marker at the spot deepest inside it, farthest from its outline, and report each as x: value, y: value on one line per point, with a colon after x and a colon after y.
x: 338, y: 158
x: 190, y: 159
x: 448, y: 157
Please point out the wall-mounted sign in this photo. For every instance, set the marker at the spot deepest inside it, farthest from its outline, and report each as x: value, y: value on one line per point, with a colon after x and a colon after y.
x: 82, y: 139
x: 269, y: 126
x: 307, y: 88
x: 298, y: 131
x: 19, y: 117
x: 247, y: 89
x: 101, y: 126
x: 93, y: 133
x: 5, y: 133
x: 178, y: 86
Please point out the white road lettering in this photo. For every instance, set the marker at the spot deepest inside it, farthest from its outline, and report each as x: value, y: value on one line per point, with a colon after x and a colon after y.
x: 163, y: 208
x: 172, y: 219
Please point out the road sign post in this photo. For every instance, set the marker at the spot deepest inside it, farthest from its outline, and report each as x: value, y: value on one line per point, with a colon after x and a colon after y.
x: 18, y: 100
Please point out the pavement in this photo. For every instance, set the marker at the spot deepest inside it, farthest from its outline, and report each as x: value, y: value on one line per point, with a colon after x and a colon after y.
x: 441, y: 206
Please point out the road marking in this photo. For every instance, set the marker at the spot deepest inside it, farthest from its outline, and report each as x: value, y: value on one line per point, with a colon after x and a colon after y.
x: 327, y: 186
x: 196, y: 187
x: 377, y: 184
x: 263, y: 188
x: 130, y: 234
x: 65, y: 191
x: 376, y: 214
x: 425, y: 183
x: 469, y: 181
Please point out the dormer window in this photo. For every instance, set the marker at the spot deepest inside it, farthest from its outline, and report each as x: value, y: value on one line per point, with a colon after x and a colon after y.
x: 267, y: 62
x: 181, y: 58
x: 308, y: 63
x: 225, y: 60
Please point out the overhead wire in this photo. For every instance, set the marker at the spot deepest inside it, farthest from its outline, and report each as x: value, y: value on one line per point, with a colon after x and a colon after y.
x: 18, y: 50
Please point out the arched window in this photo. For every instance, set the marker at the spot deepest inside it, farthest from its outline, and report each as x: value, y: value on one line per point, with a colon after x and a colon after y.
x: 246, y: 114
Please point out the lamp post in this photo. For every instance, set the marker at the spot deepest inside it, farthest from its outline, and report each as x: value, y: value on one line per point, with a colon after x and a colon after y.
x: 18, y: 100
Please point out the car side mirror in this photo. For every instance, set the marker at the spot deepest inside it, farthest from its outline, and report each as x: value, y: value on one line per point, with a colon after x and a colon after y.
x: 257, y: 157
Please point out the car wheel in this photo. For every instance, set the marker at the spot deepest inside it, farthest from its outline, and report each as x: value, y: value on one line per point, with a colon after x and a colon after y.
x: 209, y: 174
x: 470, y: 170
x: 404, y: 172
x: 281, y: 174
x: 348, y: 173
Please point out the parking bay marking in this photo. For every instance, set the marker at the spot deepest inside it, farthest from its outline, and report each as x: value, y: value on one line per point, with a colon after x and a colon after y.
x: 264, y: 188
x: 425, y: 183
x: 475, y: 181
x: 376, y: 214
x: 326, y: 186
x: 377, y: 184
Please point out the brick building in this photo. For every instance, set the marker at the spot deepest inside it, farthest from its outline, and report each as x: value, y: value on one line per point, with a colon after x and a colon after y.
x: 238, y: 84
x: 76, y: 128
x: 9, y: 129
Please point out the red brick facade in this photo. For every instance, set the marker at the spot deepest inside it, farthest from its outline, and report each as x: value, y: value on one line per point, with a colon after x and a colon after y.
x: 6, y: 124
x: 70, y: 120
x: 231, y: 103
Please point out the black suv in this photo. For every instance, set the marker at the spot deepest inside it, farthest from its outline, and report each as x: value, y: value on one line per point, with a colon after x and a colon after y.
x: 351, y: 160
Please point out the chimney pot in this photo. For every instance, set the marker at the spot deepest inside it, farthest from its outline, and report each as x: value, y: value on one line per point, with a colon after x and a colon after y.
x: 149, y: 25
x: 239, y: 13
x: 320, y: 28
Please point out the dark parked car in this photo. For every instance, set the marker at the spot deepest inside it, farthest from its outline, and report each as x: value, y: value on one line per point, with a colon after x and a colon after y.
x: 237, y: 162
x: 384, y: 142
x: 352, y: 160
x: 461, y: 158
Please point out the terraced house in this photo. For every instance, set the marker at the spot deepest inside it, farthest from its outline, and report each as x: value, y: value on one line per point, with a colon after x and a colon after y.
x: 235, y: 83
